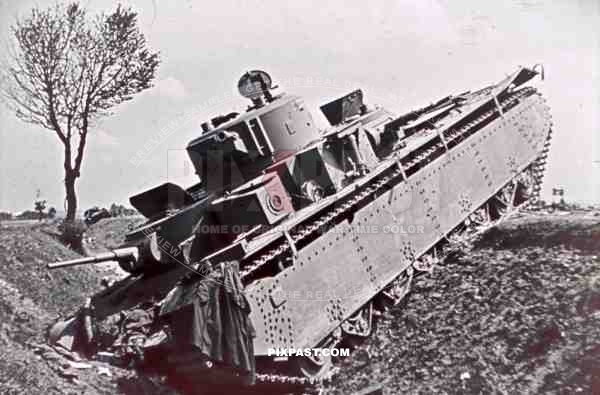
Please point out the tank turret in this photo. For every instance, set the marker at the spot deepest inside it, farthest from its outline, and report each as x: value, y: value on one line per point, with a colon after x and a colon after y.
x: 237, y: 151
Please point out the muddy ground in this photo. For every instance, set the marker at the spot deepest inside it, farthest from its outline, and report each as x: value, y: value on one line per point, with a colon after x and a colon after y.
x: 520, y: 312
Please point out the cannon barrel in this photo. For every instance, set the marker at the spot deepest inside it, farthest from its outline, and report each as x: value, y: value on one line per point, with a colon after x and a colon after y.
x: 113, y: 255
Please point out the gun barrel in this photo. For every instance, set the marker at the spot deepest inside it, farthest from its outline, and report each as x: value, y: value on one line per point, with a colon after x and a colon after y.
x: 119, y: 253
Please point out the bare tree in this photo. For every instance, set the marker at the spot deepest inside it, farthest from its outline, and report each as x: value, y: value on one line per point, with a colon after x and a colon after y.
x: 40, y: 206
x: 65, y: 69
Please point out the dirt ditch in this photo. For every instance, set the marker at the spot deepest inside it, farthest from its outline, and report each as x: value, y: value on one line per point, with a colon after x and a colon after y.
x: 520, y: 312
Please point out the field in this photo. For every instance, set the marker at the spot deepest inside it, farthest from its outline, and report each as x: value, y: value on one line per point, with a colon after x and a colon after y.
x: 518, y: 312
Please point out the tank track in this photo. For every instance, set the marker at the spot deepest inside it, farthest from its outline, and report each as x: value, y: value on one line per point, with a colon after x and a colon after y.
x: 306, y: 385
x: 538, y: 168
x: 309, y: 385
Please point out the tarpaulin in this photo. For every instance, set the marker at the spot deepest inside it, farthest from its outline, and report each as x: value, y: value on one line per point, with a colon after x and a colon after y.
x: 211, y: 313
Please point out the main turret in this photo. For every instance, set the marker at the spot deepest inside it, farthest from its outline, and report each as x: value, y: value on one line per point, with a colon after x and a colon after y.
x: 229, y: 154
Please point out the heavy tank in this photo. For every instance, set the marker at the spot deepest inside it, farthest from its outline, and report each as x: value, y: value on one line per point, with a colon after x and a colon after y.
x: 298, y: 237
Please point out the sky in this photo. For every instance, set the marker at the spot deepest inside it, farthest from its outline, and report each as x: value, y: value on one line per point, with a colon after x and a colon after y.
x: 403, y: 54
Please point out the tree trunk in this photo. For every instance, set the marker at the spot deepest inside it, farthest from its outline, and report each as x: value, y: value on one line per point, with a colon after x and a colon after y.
x: 70, y: 178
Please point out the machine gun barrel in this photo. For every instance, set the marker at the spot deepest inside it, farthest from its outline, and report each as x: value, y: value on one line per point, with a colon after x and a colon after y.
x: 114, y: 255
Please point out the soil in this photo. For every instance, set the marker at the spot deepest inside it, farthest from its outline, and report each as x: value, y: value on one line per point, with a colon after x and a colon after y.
x: 31, y: 299
x: 519, y: 312
x: 109, y: 233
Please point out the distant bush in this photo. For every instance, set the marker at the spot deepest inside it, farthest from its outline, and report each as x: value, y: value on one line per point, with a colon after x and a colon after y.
x: 71, y: 234
x: 51, y: 213
x: 119, y: 210
x: 95, y: 214
x: 40, y: 206
x: 4, y: 216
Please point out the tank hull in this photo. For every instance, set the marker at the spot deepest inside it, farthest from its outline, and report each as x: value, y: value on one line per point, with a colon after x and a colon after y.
x: 336, y: 274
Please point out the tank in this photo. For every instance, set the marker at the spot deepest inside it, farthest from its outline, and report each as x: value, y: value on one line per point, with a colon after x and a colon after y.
x: 297, y: 237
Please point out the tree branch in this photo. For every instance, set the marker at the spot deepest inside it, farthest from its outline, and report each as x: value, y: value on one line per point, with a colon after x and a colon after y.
x: 64, y: 70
